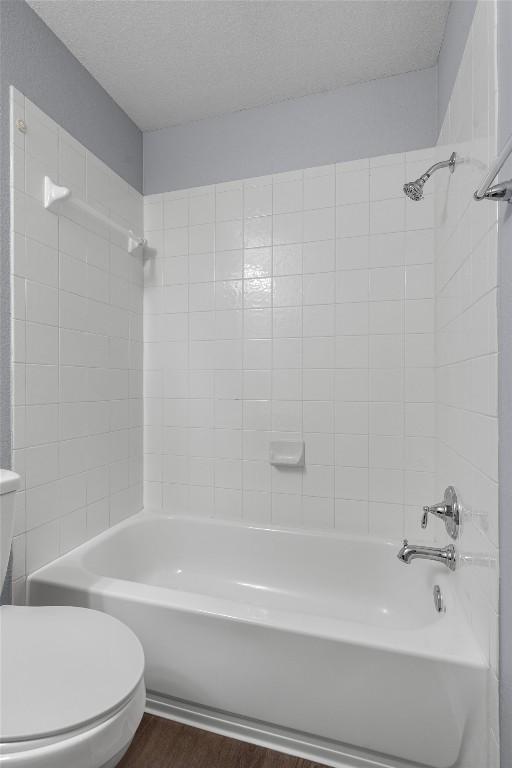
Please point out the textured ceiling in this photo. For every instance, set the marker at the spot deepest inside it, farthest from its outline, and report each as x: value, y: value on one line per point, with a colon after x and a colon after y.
x: 167, y: 62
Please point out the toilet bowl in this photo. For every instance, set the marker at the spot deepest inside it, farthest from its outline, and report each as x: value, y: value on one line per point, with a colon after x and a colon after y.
x: 72, y: 689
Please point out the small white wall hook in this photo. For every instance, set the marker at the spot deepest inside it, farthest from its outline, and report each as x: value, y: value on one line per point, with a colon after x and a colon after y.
x: 135, y: 242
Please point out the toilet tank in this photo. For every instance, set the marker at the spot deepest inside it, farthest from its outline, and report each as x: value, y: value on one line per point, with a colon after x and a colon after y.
x: 9, y: 484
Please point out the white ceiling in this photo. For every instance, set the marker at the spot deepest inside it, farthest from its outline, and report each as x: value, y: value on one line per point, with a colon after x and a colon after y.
x: 167, y: 62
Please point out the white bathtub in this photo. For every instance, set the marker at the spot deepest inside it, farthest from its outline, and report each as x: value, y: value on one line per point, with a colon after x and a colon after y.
x: 314, y: 643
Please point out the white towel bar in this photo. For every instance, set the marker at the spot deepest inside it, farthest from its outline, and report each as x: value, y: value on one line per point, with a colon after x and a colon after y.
x: 53, y: 194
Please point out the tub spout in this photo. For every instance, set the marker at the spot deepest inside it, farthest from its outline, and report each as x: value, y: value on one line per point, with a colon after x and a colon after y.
x: 446, y: 555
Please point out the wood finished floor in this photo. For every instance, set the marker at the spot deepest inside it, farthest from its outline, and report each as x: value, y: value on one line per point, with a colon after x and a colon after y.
x: 161, y: 743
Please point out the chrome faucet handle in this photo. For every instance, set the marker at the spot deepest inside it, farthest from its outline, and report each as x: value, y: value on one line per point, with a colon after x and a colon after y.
x: 440, y: 510
x: 448, y: 510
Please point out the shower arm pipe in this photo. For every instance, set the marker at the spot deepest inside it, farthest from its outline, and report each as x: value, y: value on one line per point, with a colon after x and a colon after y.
x: 501, y: 191
x: 54, y: 194
x: 442, y: 164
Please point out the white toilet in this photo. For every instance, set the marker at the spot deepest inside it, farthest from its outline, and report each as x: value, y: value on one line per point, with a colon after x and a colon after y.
x: 71, y: 679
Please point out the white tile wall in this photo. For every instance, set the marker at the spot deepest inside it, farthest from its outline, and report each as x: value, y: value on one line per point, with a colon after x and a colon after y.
x: 466, y: 288
x: 289, y: 306
x: 77, y: 352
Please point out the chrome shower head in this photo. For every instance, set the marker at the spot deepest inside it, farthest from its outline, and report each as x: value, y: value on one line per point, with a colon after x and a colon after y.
x: 414, y: 189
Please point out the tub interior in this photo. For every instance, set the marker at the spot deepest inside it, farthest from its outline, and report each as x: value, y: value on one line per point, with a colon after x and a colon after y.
x: 315, y: 574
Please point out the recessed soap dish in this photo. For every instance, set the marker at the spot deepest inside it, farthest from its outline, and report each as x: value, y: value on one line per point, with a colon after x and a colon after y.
x: 287, y: 453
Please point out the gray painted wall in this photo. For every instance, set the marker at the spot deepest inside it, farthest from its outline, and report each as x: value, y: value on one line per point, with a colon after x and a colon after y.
x: 382, y: 116
x: 505, y: 387
x: 34, y: 60
x: 456, y: 33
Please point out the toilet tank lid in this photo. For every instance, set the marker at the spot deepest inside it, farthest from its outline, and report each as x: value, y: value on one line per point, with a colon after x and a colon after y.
x: 9, y: 481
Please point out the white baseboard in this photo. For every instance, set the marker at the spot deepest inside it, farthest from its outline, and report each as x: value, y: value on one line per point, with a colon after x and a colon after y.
x: 306, y: 746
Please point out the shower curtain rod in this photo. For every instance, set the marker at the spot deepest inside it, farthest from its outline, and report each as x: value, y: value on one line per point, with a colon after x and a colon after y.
x: 502, y: 191
x: 54, y: 193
